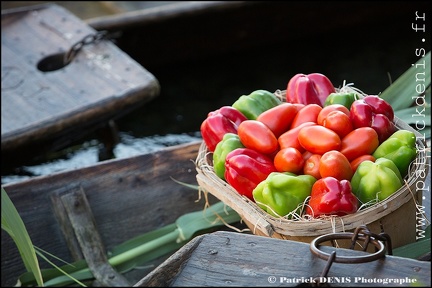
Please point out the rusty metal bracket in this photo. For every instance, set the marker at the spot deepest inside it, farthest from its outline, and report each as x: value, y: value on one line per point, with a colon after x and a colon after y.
x: 75, y: 217
x: 362, y: 233
x: 381, y: 251
x: 382, y: 236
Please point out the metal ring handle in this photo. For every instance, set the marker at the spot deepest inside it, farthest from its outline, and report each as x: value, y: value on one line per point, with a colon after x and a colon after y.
x: 347, y: 259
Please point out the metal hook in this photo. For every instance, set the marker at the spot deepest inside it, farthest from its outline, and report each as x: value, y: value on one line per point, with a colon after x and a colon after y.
x: 57, y: 61
x: 347, y: 259
x: 367, y: 237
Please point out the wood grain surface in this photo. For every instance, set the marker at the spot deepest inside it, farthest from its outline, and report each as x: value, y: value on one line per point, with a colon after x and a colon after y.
x: 127, y: 197
x: 101, y: 83
x: 224, y: 259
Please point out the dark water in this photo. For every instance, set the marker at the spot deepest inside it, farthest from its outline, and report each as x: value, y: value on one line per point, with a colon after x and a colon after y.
x: 369, y: 56
x: 86, y: 154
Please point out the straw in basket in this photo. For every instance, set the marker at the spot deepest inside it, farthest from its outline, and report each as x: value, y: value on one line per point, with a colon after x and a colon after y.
x: 398, y: 215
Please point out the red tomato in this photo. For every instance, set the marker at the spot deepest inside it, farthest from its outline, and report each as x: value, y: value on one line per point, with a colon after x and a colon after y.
x: 318, y: 139
x: 327, y: 109
x: 311, y: 166
x: 289, y: 160
x: 339, y: 122
x: 360, y: 141
x: 290, y: 138
x: 306, y: 155
x: 257, y: 136
x: 278, y: 118
x: 356, y: 162
x: 308, y: 113
x: 335, y: 164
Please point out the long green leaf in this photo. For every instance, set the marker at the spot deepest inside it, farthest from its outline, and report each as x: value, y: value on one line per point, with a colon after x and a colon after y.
x: 407, y: 115
x: 27, y: 278
x: 402, y: 92
x: 40, y: 254
x: 143, y: 238
x: 12, y: 223
x: 212, y: 216
x: 416, y: 249
x: 124, y: 257
x: 151, y: 255
x: 70, y: 278
x: 419, y: 116
x: 145, y: 247
x: 85, y: 273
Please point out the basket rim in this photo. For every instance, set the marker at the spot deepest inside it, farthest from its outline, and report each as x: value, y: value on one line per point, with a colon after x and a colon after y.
x: 260, y: 219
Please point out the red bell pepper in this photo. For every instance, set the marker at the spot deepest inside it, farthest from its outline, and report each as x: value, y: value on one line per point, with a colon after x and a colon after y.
x: 218, y: 123
x: 373, y: 111
x: 312, y: 88
x: 330, y: 196
x: 245, y: 168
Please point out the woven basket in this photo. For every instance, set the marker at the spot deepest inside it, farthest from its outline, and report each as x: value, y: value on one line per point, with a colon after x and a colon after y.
x: 398, y: 215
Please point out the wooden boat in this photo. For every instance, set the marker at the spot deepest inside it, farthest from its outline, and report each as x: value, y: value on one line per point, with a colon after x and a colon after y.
x: 206, y: 54
x: 239, y: 41
x: 48, y: 102
x: 267, y: 261
x: 127, y: 197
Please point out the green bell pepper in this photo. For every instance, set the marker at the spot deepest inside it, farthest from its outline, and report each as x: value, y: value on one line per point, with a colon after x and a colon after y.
x: 375, y: 181
x: 282, y: 192
x: 400, y: 147
x: 230, y: 142
x: 343, y: 98
x: 254, y: 104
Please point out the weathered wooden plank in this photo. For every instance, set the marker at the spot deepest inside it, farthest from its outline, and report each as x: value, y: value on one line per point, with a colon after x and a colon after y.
x: 128, y: 197
x: 206, y: 29
x: 82, y: 221
x: 163, y: 275
x: 64, y: 224
x: 101, y: 83
x: 163, y: 13
x: 223, y: 259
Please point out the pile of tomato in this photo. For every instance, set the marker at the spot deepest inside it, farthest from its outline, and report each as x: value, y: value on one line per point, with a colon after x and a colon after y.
x: 310, y: 139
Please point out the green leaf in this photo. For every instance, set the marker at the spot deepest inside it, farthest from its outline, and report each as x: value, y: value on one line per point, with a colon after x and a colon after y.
x: 70, y: 278
x: 12, y: 223
x: 416, y: 249
x: 195, y: 187
x: 214, y: 215
x: 145, y: 247
x: 40, y: 254
x: 401, y: 93
x: 27, y: 279
x: 407, y: 116
x: 422, y: 125
x: 419, y: 116
x: 151, y: 255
